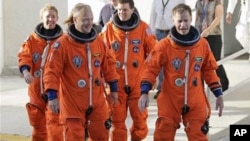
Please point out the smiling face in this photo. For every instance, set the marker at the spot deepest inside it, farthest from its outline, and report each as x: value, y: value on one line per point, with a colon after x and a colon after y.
x: 49, y: 19
x: 83, y: 20
x: 124, y: 11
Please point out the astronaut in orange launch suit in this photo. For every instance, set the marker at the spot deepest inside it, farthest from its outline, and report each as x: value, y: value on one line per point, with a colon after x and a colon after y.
x: 131, y: 40
x: 187, y: 61
x: 74, y: 72
x: 31, y: 60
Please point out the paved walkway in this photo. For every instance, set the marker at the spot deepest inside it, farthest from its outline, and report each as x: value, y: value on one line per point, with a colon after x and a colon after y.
x: 13, y: 95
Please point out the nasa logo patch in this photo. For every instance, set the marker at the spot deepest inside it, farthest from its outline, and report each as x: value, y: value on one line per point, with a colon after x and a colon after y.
x: 56, y: 45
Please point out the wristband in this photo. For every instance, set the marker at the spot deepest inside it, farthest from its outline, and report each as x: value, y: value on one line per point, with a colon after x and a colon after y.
x: 218, y: 92
x: 145, y: 87
x: 113, y: 86
x: 52, y: 94
x: 24, y: 67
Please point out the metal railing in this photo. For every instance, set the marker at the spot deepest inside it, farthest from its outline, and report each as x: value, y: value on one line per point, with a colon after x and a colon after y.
x: 232, y: 56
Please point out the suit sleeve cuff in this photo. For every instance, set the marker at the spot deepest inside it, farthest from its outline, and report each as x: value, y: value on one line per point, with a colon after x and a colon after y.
x: 52, y: 94
x: 113, y: 86
x: 218, y: 92
x: 24, y: 67
x: 145, y: 87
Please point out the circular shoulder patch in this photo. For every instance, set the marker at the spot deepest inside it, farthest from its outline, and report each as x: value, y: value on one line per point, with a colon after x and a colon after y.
x: 56, y: 45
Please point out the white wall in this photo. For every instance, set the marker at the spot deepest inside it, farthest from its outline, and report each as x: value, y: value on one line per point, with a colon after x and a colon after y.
x: 19, y: 20
x: 1, y: 38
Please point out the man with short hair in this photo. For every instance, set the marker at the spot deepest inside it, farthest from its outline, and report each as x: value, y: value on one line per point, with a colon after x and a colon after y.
x: 131, y: 40
x: 187, y: 61
x: 160, y: 23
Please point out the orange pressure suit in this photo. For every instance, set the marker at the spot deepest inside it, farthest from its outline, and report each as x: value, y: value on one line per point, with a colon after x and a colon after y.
x: 45, y: 124
x: 170, y: 53
x: 131, y: 45
x: 76, y: 64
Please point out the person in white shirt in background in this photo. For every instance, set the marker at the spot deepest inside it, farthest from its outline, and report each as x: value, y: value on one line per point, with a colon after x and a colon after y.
x: 243, y: 26
x: 160, y: 23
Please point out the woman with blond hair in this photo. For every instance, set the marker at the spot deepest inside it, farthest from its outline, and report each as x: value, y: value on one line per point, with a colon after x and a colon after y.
x: 31, y: 60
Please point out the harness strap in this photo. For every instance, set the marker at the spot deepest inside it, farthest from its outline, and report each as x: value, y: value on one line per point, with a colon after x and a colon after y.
x: 44, y: 58
x: 126, y: 60
x: 186, y: 75
x: 90, y: 74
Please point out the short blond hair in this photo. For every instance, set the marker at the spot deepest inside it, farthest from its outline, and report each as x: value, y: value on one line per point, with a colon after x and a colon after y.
x: 48, y: 7
x: 180, y: 8
x: 76, y: 9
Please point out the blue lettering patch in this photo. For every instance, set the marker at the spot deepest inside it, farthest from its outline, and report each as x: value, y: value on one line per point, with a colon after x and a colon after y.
x: 136, y: 42
x: 198, y: 59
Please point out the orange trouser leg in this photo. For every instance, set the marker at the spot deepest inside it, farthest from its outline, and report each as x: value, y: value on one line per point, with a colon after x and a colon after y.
x: 119, y: 131
x: 74, y: 130
x: 97, y: 131
x: 54, y: 129
x: 193, y: 122
x: 193, y: 130
x: 38, y: 121
x: 38, y: 134
x: 139, y: 129
x: 165, y: 129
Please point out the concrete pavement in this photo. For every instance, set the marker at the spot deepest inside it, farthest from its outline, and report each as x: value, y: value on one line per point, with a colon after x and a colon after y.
x: 237, y: 105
